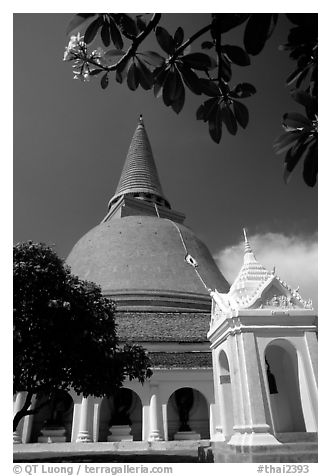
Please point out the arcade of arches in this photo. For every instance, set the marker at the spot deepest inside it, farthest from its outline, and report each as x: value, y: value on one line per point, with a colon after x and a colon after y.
x: 128, y: 416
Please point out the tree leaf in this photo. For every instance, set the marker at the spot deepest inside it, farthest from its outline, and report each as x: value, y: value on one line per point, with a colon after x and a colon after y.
x: 104, y: 81
x: 152, y: 58
x: 179, y: 36
x: 310, y: 165
x: 294, y: 119
x: 171, y: 87
x: 292, y: 158
x: 141, y: 24
x: 229, y: 119
x: 113, y: 53
x: 207, y: 45
x: 92, y: 30
x: 256, y: 32
x: 226, y: 71
x: 78, y: 20
x: 273, y: 23
x: 115, y: 35
x: 126, y: 23
x: 243, y: 90
x: 190, y: 78
x: 199, y: 61
x: 215, y: 124
x: 305, y: 19
x: 237, y: 55
x: 165, y: 40
x: 200, y: 112
x: 133, y: 77
x: 145, y: 75
x: 206, y: 109
x: 159, y: 75
x: 122, y: 70
x: 179, y: 102
x: 293, y: 76
x: 241, y: 113
x: 209, y: 88
x: 286, y: 141
x: 105, y: 35
x: 231, y: 20
x: 306, y: 100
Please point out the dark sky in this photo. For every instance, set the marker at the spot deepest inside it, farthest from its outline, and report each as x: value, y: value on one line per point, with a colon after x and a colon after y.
x: 71, y: 140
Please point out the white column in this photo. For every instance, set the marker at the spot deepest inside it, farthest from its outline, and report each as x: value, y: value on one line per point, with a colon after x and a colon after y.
x: 216, y: 428
x: 145, y: 422
x: 165, y: 420
x: 154, y: 431
x: 257, y: 430
x: 19, y: 402
x: 84, y: 435
x: 96, y: 418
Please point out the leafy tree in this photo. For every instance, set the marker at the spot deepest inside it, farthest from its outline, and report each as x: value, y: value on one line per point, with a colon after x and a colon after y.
x: 173, y: 70
x: 65, y: 333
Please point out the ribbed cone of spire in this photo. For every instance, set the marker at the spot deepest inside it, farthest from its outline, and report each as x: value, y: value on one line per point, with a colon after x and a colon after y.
x: 139, y: 174
x: 251, y: 274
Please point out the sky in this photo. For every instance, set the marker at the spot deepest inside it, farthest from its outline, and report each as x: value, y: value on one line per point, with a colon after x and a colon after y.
x: 71, y: 139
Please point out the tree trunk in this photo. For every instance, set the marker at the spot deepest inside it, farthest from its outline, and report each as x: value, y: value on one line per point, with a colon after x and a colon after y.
x: 21, y: 413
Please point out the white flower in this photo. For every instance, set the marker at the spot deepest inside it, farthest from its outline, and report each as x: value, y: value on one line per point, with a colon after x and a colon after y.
x: 76, y: 46
x: 98, y: 55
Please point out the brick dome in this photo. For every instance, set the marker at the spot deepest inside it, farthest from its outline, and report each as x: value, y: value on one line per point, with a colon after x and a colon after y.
x: 137, y: 254
x: 139, y: 261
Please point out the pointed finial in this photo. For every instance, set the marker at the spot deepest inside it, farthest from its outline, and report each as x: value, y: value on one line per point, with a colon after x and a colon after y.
x: 247, y: 245
x: 141, y: 122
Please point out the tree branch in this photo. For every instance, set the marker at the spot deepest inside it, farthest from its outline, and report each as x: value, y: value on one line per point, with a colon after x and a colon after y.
x: 21, y: 413
x: 191, y: 40
x: 134, y: 46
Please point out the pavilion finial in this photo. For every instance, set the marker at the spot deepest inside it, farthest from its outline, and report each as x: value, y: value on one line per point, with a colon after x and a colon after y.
x: 141, y: 120
x: 247, y: 245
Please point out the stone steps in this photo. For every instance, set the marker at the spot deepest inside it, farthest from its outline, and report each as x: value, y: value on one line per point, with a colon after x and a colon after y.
x: 291, y: 452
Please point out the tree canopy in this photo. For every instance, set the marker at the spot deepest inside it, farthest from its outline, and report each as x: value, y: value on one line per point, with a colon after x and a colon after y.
x: 65, y: 332
x: 174, y: 70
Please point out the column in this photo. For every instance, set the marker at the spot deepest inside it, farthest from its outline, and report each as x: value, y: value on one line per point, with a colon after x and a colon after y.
x: 216, y: 428
x: 96, y: 418
x: 19, y: 402
x: 257, y: 429
x: 239, y: 417
x: 165, y: 420
x: 85, y: 416
x: 154, y: 431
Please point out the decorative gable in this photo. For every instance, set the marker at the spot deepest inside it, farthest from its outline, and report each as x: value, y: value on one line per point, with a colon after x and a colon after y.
x: 255, y: 288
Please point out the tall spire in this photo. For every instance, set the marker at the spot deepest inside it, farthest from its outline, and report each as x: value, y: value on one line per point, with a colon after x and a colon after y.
x: 249, y: 256
x: 250, y: 276
x: 139, y: 176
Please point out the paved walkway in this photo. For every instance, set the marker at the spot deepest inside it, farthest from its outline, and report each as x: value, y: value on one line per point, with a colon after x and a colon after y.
x: 109, y: 450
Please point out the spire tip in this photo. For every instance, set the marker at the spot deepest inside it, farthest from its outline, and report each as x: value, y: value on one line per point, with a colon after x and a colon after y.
x: 247, y: 245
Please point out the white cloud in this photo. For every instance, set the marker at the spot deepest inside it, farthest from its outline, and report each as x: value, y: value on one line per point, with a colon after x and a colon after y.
x: 295, y: 258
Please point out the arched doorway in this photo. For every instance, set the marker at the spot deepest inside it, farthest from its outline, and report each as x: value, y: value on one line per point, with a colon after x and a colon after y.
x: 124, y: 408
x: 187, y: 410
x: 54, y: 418
x: 281, y: 362
x: 226, y: 395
